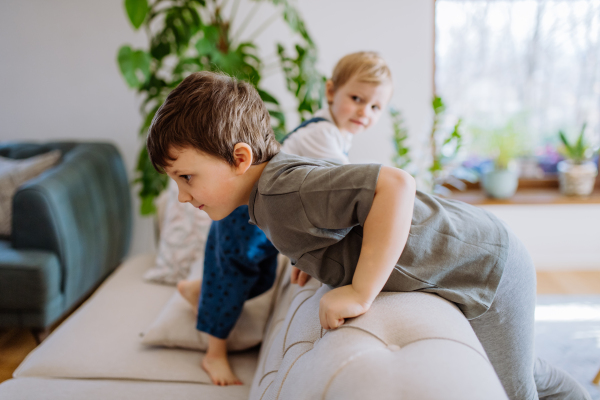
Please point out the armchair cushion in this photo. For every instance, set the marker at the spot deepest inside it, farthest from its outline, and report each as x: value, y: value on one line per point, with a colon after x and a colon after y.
x: 29, y: 286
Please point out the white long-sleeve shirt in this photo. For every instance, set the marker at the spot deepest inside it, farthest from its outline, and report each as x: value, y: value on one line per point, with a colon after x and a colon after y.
x: 321, y: 140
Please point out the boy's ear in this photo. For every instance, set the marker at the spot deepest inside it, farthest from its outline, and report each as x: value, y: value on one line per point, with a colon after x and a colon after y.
x: 329, y: 91
x: 242, y: 154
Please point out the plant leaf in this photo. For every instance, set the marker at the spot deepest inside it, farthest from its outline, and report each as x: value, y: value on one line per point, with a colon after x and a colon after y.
x: 580, y: 147
x: 277, y: 115
x: 266, y: 97
x: 134, y: 66
x: 136, y: 11
x: 152, y: 183
x: 208, y: 44
x: 147, y: 206
x: 438, y: 105
x: 563, y: 138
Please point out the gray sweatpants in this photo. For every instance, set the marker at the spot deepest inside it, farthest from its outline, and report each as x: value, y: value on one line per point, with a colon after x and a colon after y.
x: 506, y: 332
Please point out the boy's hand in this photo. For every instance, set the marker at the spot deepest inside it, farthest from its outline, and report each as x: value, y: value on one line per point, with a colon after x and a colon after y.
x: 339, y: 304
x: 299, y: 277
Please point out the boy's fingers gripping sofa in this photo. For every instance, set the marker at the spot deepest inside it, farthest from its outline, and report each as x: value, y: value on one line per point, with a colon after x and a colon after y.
x: 71, y: 227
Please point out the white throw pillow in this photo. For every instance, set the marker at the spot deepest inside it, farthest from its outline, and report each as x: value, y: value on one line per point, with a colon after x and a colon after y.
x: 183, y: 235
x: 175, y: 326
x: 14, y: 173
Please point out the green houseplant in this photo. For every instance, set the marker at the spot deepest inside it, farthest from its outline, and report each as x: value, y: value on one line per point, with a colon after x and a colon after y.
x: 401, y: 158
x: 577, y: 173
x: 503, y: 145
x: 185, y: 36
x: 441, y: 168
x: 445, y: 147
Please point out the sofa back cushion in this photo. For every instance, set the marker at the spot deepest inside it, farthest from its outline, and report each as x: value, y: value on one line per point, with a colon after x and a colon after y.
x: 408, y: 345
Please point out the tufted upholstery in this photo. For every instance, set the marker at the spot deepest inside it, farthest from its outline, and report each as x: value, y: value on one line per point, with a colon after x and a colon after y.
x: 408, y: 346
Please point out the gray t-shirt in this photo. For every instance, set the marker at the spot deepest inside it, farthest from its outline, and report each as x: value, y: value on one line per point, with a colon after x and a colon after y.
x: 313, y: 211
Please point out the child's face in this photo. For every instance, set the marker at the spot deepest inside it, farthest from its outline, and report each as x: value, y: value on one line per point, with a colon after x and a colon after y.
x: 206, y: 182
x: 356, y: 106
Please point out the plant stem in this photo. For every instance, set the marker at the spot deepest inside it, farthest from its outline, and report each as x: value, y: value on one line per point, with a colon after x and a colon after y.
x: 432, y: 141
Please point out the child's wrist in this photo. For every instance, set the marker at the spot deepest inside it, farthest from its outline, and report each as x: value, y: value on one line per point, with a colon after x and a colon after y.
x: 363, y: 296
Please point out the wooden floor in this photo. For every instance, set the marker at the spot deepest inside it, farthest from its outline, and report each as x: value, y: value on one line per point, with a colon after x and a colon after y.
x: 568, y: 282
x: 15, y: 344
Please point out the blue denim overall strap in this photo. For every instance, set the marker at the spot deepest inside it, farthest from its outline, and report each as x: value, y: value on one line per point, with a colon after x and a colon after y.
x: 305, y: 123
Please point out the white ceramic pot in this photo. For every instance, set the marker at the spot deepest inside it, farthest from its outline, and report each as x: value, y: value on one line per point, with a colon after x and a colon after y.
x: 577, y: 179
x: 500, y: 183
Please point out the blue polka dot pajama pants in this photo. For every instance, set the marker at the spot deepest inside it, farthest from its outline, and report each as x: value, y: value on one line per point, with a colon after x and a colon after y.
x: 239, y: 264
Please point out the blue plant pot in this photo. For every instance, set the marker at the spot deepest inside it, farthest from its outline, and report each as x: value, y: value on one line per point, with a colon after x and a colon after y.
x: 500, y: 184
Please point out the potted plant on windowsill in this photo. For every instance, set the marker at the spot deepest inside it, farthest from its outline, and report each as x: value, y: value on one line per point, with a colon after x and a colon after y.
x: 442, y: 169
x: 500, y: 177
x: 577, y: 173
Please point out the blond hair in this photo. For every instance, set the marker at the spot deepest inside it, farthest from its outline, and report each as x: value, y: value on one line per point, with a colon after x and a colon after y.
x: 367, y: 66
x: 211, y: 112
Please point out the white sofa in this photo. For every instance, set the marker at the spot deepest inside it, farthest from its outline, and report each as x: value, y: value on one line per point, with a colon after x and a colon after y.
x: 408, y: 346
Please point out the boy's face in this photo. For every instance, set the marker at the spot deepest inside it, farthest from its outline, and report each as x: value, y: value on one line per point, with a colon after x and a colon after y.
x: 356, y: 106
x: 206, y: 182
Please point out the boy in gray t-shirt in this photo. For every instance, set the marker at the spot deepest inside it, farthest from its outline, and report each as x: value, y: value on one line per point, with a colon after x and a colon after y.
x: 359, y: 228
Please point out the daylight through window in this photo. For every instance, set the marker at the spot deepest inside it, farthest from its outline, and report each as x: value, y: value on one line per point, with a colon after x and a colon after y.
x: 529, y: 66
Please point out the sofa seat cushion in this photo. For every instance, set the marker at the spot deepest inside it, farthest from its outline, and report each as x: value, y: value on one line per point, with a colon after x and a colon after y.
x: 407, y: 346
x: 77, y: 389
x: 29, y: 285
x: 102, y: 338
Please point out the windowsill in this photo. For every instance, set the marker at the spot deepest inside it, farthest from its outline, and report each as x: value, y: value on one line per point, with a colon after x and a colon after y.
x: 534, y: 191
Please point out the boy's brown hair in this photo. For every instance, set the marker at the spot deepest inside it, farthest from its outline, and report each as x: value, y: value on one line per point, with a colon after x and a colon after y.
x: 367, y: 66
x: 211, y: 112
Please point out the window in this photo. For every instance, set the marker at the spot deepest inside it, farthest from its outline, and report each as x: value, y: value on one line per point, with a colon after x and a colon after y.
x: 532, y: 63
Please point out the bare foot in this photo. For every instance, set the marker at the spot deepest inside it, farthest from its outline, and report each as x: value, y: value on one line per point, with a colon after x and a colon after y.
x: 190, y: 290
x: 219, y: 371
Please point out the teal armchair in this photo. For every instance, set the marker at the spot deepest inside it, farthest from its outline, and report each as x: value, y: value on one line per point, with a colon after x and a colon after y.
x: 71, y: 228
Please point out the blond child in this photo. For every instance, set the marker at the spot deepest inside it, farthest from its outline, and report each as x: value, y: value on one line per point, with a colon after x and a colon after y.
x: 240, y: 261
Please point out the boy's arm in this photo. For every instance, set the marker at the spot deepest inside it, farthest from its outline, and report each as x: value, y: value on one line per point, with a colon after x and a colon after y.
x: 385, y: 233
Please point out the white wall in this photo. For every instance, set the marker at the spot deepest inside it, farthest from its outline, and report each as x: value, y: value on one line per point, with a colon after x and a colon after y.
x: 59, y: 78
x: 558, y: 236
